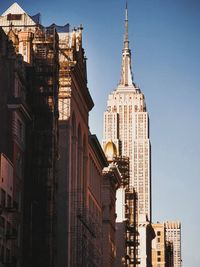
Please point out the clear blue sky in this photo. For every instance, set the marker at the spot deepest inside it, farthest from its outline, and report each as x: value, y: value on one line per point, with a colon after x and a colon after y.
x: 165, y: 41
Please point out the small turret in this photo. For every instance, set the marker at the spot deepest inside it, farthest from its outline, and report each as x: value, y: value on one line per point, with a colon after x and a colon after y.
x: 110, y: 151
x: 79, y: 38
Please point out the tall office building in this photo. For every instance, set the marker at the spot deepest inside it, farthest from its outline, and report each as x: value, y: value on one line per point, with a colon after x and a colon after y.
x: 173, y: 234
x: 126, y: 124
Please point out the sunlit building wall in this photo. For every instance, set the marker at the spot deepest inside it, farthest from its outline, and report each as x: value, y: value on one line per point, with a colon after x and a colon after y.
x: 173, y: 234
x: 158, y: 246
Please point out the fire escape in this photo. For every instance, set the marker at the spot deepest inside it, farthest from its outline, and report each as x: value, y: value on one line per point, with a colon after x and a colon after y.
x: 43, y: 136
x: 131, y: 233
x: 8, y: 233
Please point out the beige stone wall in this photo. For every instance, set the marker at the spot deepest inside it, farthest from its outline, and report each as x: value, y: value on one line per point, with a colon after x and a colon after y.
x: 158, y: 246
x: 111, y: 181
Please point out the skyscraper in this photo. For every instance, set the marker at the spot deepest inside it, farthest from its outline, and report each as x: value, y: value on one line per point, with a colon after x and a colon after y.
x: 126, y: 124
x: 173, y: 234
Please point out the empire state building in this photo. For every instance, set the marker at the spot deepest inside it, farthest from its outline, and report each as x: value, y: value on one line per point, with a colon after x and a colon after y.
x: 126, y: 125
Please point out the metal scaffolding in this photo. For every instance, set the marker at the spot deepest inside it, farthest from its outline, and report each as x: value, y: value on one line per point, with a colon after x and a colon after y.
x: 42, y: 99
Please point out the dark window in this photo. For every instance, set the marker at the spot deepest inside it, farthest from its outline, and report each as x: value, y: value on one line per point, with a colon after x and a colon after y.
x: 158, y: 233
x: 3, y: 198
x: 2, y: 222
x: 7, y: 255
x: 2, y: 254
x: 14, y: 17
x: 8, y: 229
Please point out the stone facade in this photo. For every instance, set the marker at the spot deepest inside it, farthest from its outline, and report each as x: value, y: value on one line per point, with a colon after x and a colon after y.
x: 63, y: 190
x: 111, y: 181
x: 173, y: 236
x: 14, y: 116
x: 73, y: 161
x: 33, y: 117
x: 83, y: 193
x: 159, y: 246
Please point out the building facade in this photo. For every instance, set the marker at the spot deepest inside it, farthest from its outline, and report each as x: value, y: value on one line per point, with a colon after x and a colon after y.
x: 159, y: 246
x: 7, y: 227
x: 173, y: 237
x: 109, y: 218
x: 14, y: 116
x: 169, y: 257
x: 111, y: 181
x: 32, y: 100
x: 126, y: 221
x: 102, y: 188
x: 72, y: 233
x: 166, y: 247
x: 126, y: 124
x: 58, y: 187
x: 84, y: 192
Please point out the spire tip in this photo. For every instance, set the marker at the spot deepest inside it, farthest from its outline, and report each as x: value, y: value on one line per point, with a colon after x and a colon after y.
x: 126, y: 72
x: 126, y: 11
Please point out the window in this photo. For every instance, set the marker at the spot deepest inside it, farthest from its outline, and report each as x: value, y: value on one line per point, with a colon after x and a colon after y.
x: 158, y: 233
x: 2, y: 251
x: 14, y: 17
x: 2, y: 222
x: 3, y: 198
x: 158, y: 253
x: 8, y: 228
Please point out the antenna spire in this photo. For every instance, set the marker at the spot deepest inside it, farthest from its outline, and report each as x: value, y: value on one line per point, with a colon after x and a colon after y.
x: 126, y: 41
x: 126, y: 72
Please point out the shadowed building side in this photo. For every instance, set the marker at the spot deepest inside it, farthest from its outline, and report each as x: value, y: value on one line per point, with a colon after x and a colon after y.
x: 14, y: 117
x: 36, y: 90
